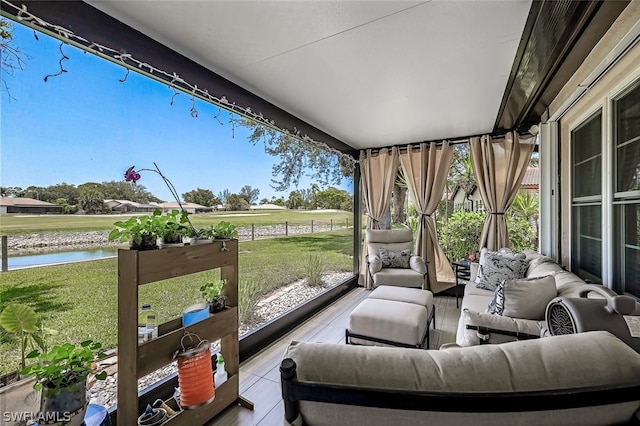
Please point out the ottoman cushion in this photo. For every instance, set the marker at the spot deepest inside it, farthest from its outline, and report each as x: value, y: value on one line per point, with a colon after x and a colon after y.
x: 404, y: 294
x: 389, y: 320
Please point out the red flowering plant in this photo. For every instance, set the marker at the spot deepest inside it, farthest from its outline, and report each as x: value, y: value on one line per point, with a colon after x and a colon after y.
x: 142, y: 231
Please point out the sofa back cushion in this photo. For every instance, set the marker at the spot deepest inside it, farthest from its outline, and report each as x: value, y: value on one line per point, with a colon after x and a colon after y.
x: 595, y: 358
x: 525, y: 298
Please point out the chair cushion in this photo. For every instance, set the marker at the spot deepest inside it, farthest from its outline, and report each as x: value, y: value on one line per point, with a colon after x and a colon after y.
x: 375, y: 264
x: 524, y: 298
x: 398, y: 277
x: 394, y: 259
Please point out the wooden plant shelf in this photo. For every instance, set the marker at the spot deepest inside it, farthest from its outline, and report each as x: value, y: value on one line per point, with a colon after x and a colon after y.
x: 137, y: 268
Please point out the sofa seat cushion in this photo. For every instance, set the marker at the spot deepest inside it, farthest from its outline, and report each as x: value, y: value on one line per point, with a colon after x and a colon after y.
x: 489, y: 325
x: 595, y: 358
x: 398, y: 277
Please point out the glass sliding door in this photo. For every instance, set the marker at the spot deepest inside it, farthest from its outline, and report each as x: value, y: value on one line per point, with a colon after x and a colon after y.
x: 627, y: 191
x: 586, y: 212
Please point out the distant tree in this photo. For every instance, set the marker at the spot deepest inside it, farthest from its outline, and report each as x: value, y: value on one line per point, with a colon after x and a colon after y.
x: 279, y: 202
x: 12, y: 191
x: 332, y: 198
x: 204, y: 197
x: 66, y: 191
x: 38, y: 193
x: 295, y: 200
x: 91, y: 200
x: 120, y: 190
x: 399, y: 197
x: 236, y: 202
x: 264, y: 201
x: 527, y: 206
x: 222, y: 196
x: 298, y: 158
x: 250, y: 194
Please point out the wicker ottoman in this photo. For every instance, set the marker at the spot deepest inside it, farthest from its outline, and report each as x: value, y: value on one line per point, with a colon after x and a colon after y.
x: 393, y: 316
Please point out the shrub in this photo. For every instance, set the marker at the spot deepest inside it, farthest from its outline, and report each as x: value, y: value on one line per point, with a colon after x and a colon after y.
x: 461, y: 234
x: 313, y: 265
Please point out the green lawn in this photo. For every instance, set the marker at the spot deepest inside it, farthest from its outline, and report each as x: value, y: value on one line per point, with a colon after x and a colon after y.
x: 12, y: 224
x: 80, y: 299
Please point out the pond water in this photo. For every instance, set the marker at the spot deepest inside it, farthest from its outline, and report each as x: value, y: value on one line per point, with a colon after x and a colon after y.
x: 31, y: 260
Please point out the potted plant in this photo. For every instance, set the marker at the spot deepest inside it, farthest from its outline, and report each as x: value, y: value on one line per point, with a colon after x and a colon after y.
x: 213, y: 293
x: 61, y: 375
x: 173, y: 228
x: 17, y: 392
x: 201, y: 235
x: 225, y: 230
x: 142, y: 232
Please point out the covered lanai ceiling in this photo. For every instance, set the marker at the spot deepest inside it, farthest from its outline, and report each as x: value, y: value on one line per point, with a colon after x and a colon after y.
x: 359, y: 74
x: 369, y: 73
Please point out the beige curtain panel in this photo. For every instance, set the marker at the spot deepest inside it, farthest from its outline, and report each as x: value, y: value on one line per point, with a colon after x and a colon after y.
x: 426, y: 168
x: 499, y: 166
x: 378, y: 173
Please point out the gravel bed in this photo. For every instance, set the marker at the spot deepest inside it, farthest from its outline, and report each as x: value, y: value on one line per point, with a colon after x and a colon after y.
x: 269, y: 307
x: 28, y: 243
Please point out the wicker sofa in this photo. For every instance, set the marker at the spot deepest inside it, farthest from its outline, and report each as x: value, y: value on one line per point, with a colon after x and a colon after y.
x: 589, y: 378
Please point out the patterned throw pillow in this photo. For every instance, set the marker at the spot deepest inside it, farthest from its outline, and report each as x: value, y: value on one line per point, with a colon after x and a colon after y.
x: 498, y: 268
x: 395, y: 259
x: 505, y: 251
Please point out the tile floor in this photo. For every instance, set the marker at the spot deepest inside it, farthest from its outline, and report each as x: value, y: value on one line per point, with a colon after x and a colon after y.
x: 260, y: 375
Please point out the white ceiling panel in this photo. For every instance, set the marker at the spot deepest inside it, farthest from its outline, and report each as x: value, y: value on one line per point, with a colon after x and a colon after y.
x: 370, y: 73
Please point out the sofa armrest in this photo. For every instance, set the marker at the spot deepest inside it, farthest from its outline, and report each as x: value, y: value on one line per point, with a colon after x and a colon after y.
x: 418, y: 264
x: 375, y: 263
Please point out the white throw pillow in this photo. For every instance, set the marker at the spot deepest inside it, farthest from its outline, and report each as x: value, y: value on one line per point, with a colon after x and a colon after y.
x: 525, y: 298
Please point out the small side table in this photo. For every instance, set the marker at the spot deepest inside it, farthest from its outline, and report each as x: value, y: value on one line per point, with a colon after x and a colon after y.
x: 463, y: 274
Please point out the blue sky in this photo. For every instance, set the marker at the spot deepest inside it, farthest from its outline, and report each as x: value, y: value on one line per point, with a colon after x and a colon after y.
x: 86, y: 126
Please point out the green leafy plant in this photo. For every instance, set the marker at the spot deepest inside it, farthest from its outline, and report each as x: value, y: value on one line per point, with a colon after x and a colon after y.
x: 213, y: 293
x: 139, y: 230
x: 23, y: 321
x: 65, y: 365
x: 226, y: 230
x: 207, y: 232
x: 313, y: 265
x: 173, y: 227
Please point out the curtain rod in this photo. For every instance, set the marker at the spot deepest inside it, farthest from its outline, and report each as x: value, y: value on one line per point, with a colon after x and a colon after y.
x: 532, y: 131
